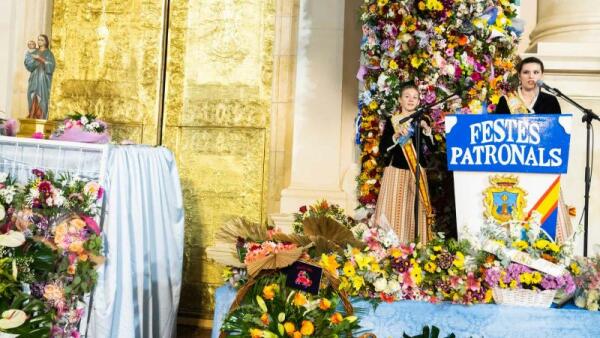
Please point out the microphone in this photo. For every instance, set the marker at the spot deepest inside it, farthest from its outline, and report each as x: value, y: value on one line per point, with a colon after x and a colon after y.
x: 541, y: 84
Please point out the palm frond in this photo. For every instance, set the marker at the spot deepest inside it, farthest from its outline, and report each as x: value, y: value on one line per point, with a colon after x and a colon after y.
x: 241, y: 227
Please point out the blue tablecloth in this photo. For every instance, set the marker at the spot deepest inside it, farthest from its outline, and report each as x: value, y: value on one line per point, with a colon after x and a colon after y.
x: 391, y: 320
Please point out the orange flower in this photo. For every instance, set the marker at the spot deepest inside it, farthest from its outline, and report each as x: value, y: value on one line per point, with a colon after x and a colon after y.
x: 462, y: 40
x: 264, y: 318
x: 307, y: 328
x: 297, y: 334
x: 324, y: 304
x: 83, y: 257
x: 256, y: 333
x: 289, y: 328
x: 71, y: 269
x: 336, y: 318
x: 269, y: 291
x: 299, y: 299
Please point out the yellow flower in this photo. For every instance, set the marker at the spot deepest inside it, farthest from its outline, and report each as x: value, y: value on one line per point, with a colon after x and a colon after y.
x: 437, y: 248
x: 432, y: 257
x: 488, y: 296
x: 269, y: 291
x: 501, y: 283
x: 330, y: 263
x: 393, y: 65
x: 373, y: 105
x: 575, y: 269
x: 256, y: 333
x: 513, y: 284
x: 416, y: 273
x: 289, y: 328
x: 421, y: 6
x: 382, y: 3
x: 307, y: 328
x: 536, y: 277
x: 324, y: 304
x: 299, y: 299
x: 375, y: 267
x: 349, y: 269
x: 363, y: 260
x: 495, y: 98
x: 459, y: 260
x: 344, y: 283
x: 415, y: 61
x: 357, y: 282
x: 525, y: 278
x: 554, y: 247
x: 430, y: 267
x: 541, y: 244
x: 520, y: 245
x: 395, y: 252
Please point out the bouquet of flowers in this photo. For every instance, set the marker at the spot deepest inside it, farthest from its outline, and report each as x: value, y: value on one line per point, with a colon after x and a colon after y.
x: 8, y: 190
x: 271, y: 309
x: 80, y: 127
x: 449, y: 276
x: 321, y: 208
x: 587, y: 278
x: 523, y: 265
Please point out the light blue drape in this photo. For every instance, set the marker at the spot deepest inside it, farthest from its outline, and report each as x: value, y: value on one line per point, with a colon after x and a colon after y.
x: 483, y: 320
x: 139, y: 285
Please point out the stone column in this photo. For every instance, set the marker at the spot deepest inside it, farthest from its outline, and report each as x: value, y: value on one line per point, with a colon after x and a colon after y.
x: 566, y: 38
x: 317, y: 126
x: 20, y: 21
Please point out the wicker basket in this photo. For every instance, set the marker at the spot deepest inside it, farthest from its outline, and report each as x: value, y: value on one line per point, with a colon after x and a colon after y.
x: 524, y: 297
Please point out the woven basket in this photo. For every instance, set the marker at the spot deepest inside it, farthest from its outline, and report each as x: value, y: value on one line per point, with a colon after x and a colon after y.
x: 334, y: 281
x: 524, y: 297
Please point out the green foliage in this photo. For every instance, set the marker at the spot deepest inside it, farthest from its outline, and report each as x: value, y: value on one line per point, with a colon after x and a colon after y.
x: 432, y: 332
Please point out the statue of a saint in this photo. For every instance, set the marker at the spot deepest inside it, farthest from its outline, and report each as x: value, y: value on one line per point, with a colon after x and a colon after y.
x: 40, y: 63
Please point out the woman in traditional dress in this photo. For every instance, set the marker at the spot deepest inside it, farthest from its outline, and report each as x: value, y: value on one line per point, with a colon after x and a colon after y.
x: 397, y: 194
x: 529, y: 99
x: 41, y: 64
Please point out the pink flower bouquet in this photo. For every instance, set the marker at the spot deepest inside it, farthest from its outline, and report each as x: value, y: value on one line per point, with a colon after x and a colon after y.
x: 82, y: 128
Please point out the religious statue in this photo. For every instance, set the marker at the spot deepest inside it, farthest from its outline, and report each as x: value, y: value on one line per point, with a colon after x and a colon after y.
x: 40, y: 63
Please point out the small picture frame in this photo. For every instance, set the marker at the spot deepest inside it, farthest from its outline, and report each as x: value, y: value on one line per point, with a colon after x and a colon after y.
x: 304, y: 276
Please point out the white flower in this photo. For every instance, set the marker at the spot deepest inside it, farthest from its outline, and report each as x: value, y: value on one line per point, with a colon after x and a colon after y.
x: 3, y: 177
x: 380, y: 284
x: 84, y: 120
x: 393, y: 286
x: 91, y: 189
x: 34, y: 193
x: 49, y: 201
x: 2, y: 212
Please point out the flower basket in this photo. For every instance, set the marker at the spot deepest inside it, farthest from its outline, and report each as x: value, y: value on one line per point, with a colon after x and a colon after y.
x: 524, y: 297
x: 78, y: 134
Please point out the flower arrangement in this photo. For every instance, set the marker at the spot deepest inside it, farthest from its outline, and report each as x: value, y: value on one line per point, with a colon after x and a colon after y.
x: 442, y: 47
x: 82, y: 128
x: 587, y: 278
x: 53, y: 244
x: 271, y: 309
x: 449, y: 276
x: 321, y: 208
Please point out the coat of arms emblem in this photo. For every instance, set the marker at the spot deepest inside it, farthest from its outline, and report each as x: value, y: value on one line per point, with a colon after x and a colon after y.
x: 504, y: 200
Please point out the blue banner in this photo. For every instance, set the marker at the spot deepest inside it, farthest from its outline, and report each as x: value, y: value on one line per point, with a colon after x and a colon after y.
x: 508, y: 143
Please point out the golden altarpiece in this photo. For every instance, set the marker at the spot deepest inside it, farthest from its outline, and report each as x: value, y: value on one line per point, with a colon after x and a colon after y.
x: 194, y: 76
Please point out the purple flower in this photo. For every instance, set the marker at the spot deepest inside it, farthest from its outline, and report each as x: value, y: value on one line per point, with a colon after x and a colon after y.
x: 38, y: 173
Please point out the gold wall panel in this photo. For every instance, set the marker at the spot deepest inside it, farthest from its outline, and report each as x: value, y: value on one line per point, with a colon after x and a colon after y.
x: 109, y: 62
x: 216, y: 121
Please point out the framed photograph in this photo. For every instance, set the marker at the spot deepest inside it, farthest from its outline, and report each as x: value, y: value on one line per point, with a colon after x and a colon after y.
x: 304, y: 276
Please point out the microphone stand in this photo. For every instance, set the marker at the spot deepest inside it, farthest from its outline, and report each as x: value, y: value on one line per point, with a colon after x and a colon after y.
x: 588, y: 117
x: 417, y: 116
